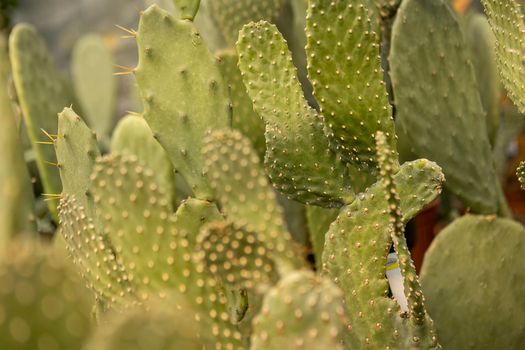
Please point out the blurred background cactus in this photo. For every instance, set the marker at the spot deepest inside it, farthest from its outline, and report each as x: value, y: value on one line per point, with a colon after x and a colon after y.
x: 245, y: 174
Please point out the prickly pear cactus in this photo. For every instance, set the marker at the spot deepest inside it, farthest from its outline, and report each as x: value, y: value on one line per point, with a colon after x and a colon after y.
x: 244, y: 117
x: 16, y: 201
x: 506, y: 20
x: 298, y: 157
x: 183, y: 91
x: 345, y: 70
x: 133, y: 136
x: 95, y: 85
x: 42, y: 94
x: 474, y: 281
x: 355, y: 252
x: 303, y: 311
x: 231, y: 15
x: 42, y: 302
x: 187, y: 8
x: 76, y: 150
x: 437, y: 101
x: 142, y: 250
x: 236, y: 177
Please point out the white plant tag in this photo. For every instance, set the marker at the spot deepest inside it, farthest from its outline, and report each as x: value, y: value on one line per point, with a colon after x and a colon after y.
x: 395, y: 279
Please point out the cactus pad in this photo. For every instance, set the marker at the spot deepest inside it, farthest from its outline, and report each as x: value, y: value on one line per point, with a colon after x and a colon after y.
x: 345, y: 70
x: 76, y: 151
x: 506, y: 20
x: 473, y: 277
x: 303, y: 311
x: 231, y: 15
x: 187, y: 8
x: 183, y: 91
x: 16, y: 201
x: 438, y: 106
x: 42, y: 303
x: 133, y: 136
x: 95, y: 85
x: 244, y: 117
x: 298, y: 158
x: 355, y: 254
x: 235, y: 174
x: 42, y: 94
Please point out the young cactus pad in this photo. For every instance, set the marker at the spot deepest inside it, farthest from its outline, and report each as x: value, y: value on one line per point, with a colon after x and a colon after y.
x: 473, y: 277
x: 183, y: 91
x: 187, y: 8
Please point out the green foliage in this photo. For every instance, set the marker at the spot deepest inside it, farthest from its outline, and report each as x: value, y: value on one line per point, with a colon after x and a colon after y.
x: 95, y: 86
x: 474, y: 280
x: 183, y: 91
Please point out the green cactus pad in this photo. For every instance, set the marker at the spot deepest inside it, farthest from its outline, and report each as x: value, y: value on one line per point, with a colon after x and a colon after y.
x: 183, y: 91
x: 187, y: 8
x: 237, y: 258
x: 94, y: 256
x: 345, y: 70
x: 42, y: 303
x: 95, y: 85
x: 303, y: 311
x: 356, y: 249
x: 42, y: 95
x: 161, y: 327
x: 298, y: 158
x: 482, y: 46
x: 16, y: 201
x: 133, y: 136
x: 155, y: 246
x: 473, y: 277
x: 506, y: 20
x: 437, y: 103
x: 231, y: 15
x: 235, y: 174
x: 386, y: 159
x: 76, y: 150
x: 319, y: 220
x: 244, y: 117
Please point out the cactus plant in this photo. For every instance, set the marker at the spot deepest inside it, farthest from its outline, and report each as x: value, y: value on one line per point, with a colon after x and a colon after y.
x: 477, y: 291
